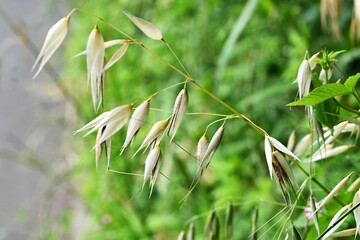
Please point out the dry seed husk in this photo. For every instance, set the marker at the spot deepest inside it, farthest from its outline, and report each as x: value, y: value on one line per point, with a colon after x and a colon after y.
x: 146, y: 27
x: 214, y: 144
x: 354, y: 186
x: 334, y: 219
x: 279, y: 146
x: 303, y: 145
x: 304, y: 78
x: 53, y: 40
x: 202, y: 146
x: 152, y: 164
x: 155, y: 134
x: 285, y: 166
x: 191, y: 232
x: 136, y: 121
x: 328, y: 151
x: 334, y: 191
x: 343, y: 233
x: 357, y: 211
x: 117, y: 56
x: 179, y: 109
x: 291, y: 141
x: 268, y: 155
x: 182, y: 235
x: 93, y: 123
x: 95, y: 53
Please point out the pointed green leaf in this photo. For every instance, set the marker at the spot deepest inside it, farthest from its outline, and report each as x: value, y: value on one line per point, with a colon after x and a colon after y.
x: 321, y: 94
x: 352, y: 81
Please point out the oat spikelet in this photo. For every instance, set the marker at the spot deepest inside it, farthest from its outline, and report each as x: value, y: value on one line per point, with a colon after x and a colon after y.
x: 268, y: 155
x: 357, y: 211
x: 95, y: 53
x: 53, y: 40
x: 99, y: 147
x: 202, y: 146
x: 179, y: 109
x: 334, y: 219
x: 136, y: 121
x: 304, y: 78
x: 93, y: 123
x: 213, y: 146
x: 330, y: 9
x: 279, y: 146
x: 152, y: 166
x: 155, y: 134
x: 117, y: 56
x: 146, y: 27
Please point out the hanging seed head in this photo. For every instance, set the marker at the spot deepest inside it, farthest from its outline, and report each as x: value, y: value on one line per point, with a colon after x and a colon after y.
x: 155, y: 134
x: 93, y: 123
x: 304, y: 78
x: 146, y: 27
x: 136, y: 121
x: 53, y: 40
x: 330, y: 10
x: 357, y: 211
x: 95, y: 53
x: 202, y: 146
x: 191, y: 232
x: 179, y: 109
x: 117, y: 56
x: 214, y: 144
x: 182, y: 235
x: 152, y: 166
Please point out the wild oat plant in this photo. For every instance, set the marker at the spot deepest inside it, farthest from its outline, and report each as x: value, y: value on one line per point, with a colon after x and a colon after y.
x: 320, y: 94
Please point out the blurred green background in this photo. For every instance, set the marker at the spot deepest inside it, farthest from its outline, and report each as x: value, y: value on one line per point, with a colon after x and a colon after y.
x: 250, y: 64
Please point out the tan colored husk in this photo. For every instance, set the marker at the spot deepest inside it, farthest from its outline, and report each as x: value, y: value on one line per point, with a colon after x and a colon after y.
x: 285, y: 166
x: 117, y: 56
x: 136, y: 121
x: 291, y: 141
x: 334, y: 191
x: 314, y: 213
x: 354, y: 186
x: 95, y: 53
x: 302, y: 145
x: 98, y: 147
x: 357, y: 211
x: 146, y: 27
x: 182, y: 235
x: 191, y: 232
x: 330, y: 9
x: 343, y: 233
x: 107, y: 44
x: 334, y: 219
x: 328, y: 151
x: 179, y: 109
x: 213, y: 145
x: 152, y: 164
x: 155, y: 134
x: 53, y: 40
x: 202, y: 146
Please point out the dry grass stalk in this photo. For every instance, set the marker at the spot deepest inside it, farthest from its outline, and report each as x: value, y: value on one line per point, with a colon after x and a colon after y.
x: 136, y: 121
x: 179, y: 109
x: 95, y: 53
x: 146, y: 27
x: 330, y: 10
x: 53, y: 40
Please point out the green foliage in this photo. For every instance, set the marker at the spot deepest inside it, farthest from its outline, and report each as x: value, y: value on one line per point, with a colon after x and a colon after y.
x: 255, y: 79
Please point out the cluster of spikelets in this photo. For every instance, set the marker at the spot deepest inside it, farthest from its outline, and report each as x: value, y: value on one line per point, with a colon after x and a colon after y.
x: 277, y: 155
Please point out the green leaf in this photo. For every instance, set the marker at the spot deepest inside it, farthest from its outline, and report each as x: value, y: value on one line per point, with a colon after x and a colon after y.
x: 352, y: 81
x: 321, y: 94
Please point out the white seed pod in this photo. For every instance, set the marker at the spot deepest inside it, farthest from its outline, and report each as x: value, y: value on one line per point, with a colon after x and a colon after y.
x: 304, y: 78
x: 152, y: 164
x: 291, y: 141
x: 268, y: 155
x: 202, y: 146
x: 53, y: 40
x: 343, y: 233
x: 93, y: 122
x: 334, y: 191
x: 179, y: 109
x: 322, y: 75
x: 313, y: 60
x: 136, y: 121
x: 155, y: 134
x: 303, y: 145
x: 214, y: 144
x: 95, y: 53
x: 334, y: 219
x: 117, y: 56
x: 191, y: 232
x: 356, y: 200
x: 329, y: 151
x: 279, y: 146
x: 146, y: 27
x: 182, y: 235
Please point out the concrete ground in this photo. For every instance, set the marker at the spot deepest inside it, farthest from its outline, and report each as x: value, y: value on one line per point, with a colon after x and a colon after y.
x: 35, y: 193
